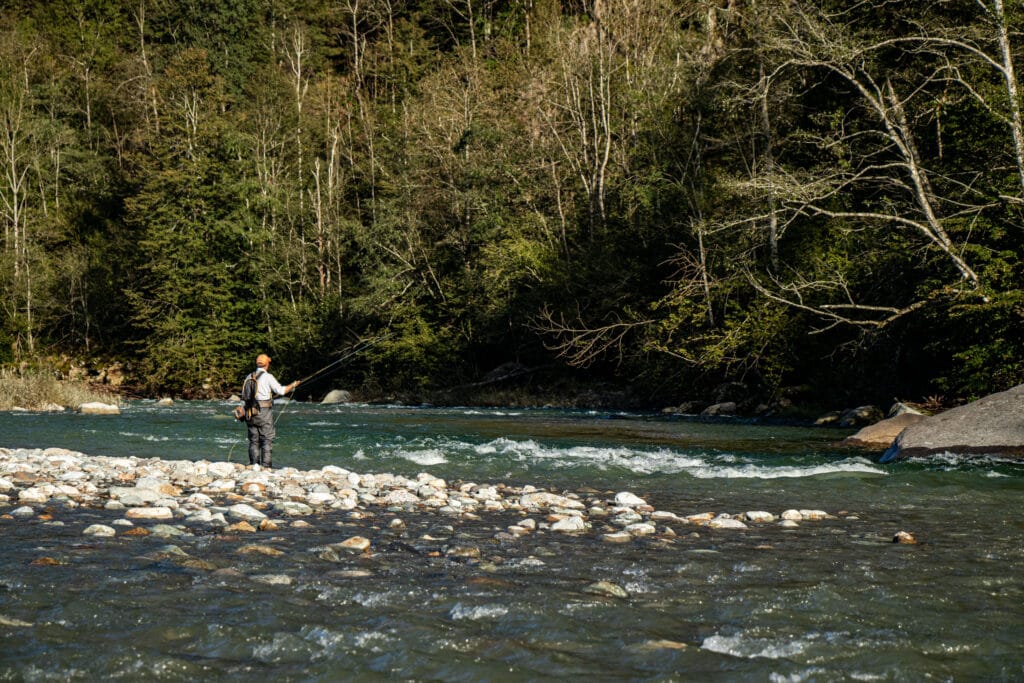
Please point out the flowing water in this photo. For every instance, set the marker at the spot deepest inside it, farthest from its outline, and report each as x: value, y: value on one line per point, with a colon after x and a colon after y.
x: 830, y: 600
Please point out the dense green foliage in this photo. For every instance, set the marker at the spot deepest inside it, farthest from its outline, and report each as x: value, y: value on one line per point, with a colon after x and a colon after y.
x: 685, y: 196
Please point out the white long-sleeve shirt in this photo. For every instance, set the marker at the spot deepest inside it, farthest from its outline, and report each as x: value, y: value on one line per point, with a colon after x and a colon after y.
x: 266, y: 384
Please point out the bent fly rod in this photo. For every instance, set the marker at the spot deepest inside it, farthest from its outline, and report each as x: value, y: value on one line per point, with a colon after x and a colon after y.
x: 330, y: 367
x: 334, y: 365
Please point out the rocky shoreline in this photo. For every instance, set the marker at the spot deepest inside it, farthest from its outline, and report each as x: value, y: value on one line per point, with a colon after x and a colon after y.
x: 182, y: 496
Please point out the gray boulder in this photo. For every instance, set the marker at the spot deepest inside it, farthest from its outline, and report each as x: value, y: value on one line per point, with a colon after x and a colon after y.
x: 882, y: 434
x: 860, y: 416
x: 991, y: 425
x: 97, y: 408
x: 726, y: 408
x: 850, y: 417
x: 336, y: 396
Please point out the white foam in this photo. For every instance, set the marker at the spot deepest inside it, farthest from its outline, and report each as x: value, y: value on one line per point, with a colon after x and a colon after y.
x: 746, y: 647
x: 371, y: 599
x: 750, y: 471
x: 426, y: 457
x: 476, y: 612
x: 663, y: 461
x: 372, y: 640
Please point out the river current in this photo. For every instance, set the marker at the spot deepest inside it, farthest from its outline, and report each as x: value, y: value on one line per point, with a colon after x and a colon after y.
x: 828, y: 600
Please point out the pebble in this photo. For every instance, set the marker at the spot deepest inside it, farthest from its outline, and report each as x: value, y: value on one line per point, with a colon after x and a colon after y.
x: 760, y: 516
x: 463, y: 552
x: 166, y: 531
x: 570, y: 525
x: 358, y: 544
x: 259, y: 550
x: 627, y: 499
x: 245, y: 513
x: 606, y: 588
x: 904, y: 537
x: 726, y: 523
x: 99, y: 530
x: 162, y: 513
x: 273, y: 579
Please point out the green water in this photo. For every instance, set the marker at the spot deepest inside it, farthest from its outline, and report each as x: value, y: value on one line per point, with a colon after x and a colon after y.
x: 830, y: 600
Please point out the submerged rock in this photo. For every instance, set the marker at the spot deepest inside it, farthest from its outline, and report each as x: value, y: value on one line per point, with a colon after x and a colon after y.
x: 98, y: 408
x: 273, y: 579
x: 905, y: 538
x: 606, y: 588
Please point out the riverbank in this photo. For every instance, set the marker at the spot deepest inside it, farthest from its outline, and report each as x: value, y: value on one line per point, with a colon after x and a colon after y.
x: 42, y: 391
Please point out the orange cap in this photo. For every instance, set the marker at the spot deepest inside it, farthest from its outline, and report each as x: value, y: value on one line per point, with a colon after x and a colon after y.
x: 262, y: 360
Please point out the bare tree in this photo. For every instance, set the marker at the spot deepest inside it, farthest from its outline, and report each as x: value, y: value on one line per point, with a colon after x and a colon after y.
x: 878, y: 157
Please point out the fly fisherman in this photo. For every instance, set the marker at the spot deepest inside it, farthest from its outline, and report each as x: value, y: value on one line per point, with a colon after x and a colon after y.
x: 260, y: 413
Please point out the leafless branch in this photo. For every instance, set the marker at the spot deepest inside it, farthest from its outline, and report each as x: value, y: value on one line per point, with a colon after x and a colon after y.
x: 581, y: 344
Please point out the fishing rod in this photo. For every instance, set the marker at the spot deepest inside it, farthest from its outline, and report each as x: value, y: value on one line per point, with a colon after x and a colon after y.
x: 330, y: 367
x: 359, y: 348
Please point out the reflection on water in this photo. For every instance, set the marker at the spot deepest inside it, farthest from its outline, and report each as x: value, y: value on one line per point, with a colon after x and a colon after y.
x: 829, y: 600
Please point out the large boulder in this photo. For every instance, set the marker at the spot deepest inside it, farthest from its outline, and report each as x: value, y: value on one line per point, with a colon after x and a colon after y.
x: 991, y: 425
x: 882, y: 434
x: 98, y: 408
x: 336, y: 396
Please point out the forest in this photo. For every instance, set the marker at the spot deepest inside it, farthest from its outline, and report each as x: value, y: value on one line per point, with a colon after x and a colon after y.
x: 679, y: 198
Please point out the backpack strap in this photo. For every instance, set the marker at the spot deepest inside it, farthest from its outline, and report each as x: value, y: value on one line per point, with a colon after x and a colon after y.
x: 251, y: 402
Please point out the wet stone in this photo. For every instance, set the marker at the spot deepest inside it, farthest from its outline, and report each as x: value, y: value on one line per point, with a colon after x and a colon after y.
x: 904, y: 537
x: 463, y: 552
x: 570, y: 525
x: 257, y: 549
x: 627, y: 499
x: 617, y: 537
x: 356, y: 544
x: 273, y: 579
x: 760, y: 516
x: 641, y: 529
x: 246, y: 513
x: 154, y: 513
x: 607, y: 589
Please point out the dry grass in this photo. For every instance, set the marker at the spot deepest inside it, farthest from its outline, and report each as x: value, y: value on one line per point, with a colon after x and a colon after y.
x: 42, y: 391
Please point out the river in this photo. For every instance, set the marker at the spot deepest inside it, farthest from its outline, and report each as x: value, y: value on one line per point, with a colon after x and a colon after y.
x: 827, y: 600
